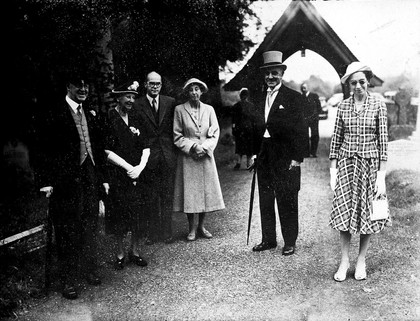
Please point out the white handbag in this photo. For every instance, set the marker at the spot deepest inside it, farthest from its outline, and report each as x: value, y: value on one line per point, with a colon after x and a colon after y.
x: 380, y: 209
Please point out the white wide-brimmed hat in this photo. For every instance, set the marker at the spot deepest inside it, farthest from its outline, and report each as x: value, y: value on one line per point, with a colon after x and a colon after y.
x: 196, y: 81
x: 273, y: 59
x: 354, y: 67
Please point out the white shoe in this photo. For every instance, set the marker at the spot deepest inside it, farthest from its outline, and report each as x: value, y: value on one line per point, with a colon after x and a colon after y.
x: 360, y: 273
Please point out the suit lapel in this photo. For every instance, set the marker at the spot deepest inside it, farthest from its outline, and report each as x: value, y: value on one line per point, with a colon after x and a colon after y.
x: 187, y: 107
x: 162, y: 109
x: 147, y: 109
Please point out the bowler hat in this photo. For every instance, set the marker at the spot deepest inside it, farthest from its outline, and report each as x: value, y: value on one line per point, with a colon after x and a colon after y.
x: 273, y: 59
x: 126, y: 88
x: 356, y: 66
x: 195, y: 81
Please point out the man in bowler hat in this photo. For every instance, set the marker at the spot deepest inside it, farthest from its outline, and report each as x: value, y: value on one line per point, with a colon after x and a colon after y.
x: 71, y: 175
x: 279, y: 149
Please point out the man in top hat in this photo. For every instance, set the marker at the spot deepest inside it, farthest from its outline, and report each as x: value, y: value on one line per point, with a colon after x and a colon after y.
x: 71, y: 175
x: 157, y: 114
x: 279, y: 148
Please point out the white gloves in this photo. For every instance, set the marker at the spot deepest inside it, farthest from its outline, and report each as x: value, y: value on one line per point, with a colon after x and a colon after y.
x: 333, y: 178
x: 117, y: 160
x: 380, y: 187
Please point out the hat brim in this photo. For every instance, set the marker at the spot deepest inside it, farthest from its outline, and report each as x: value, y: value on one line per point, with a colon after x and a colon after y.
x: 270, y: 65
x: 361, y: 69
x: 123, y: 92
x: 198, y: 82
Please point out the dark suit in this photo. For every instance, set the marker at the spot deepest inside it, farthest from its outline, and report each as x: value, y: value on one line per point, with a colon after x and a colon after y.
x: 285, y: 124
x: 74, y: 203
x: 312, y: 109
x: 160, y: 169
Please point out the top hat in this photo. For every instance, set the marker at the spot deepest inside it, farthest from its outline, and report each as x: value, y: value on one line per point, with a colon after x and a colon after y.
x: 127, y: 88
x: 356, y: 66
x: 273, y: 59
x: 196, y: 81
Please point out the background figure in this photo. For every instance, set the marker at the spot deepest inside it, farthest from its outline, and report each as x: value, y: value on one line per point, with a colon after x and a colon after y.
x: 156, y: 112
x: 312, y: 108
x: 127, y: 151
x: 242, y: 114
x: 358, y: 156
x: 280, y: 141
x: 196, y: 134
x: 70, y: 174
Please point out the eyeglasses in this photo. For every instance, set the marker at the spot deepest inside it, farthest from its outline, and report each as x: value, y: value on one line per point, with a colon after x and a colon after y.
x: 154, y: 84
x: 361, y: 82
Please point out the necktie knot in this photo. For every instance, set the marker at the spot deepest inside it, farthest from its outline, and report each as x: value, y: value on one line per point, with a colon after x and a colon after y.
x: 79, y: 110
x: 154, y: 104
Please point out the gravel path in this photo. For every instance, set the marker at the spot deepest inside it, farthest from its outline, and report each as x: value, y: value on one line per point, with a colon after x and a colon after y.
x: 222, y: 279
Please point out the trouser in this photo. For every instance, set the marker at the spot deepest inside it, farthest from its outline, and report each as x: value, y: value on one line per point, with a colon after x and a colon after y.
x: 314, y: 140
x: 277, y: 183
x: 75, y: 219
x: 160, y: 203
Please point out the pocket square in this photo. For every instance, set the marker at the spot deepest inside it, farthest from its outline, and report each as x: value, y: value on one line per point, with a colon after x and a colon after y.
x: 281, y: 107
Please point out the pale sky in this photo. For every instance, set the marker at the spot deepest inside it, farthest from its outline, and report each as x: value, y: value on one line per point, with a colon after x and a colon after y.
x: 385, y: 34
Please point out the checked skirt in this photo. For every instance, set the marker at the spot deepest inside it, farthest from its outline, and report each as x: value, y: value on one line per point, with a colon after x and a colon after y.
x: 353, y: 195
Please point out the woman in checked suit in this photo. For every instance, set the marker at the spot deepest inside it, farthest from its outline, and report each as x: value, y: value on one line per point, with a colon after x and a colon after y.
x: 358, y: 155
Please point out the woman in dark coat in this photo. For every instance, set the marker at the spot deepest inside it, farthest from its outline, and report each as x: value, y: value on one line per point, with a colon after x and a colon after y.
x: 242, y: 127
x: 127, y: 151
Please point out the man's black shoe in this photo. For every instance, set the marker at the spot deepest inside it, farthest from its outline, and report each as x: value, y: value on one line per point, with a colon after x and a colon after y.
x: 264, y: 246
x: 288, y: 250
x: 137, y: 259
x: 70, y: 292
x: 93, y: 279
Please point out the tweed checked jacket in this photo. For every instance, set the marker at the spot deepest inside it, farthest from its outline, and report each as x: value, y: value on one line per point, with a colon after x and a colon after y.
x: 363, y: 133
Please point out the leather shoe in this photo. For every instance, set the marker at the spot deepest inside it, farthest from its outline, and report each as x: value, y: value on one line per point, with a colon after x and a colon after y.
x: 169, y: 240
x: 137, y: 259
x: 264, y: 246
x: 93, y: 279
x: 70, y: 292
x: 149, y: 241
x: 119, y: 263
x: 288, y: 250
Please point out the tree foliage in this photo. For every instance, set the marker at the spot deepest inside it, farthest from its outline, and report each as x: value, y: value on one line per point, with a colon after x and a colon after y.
x: 179, y: 38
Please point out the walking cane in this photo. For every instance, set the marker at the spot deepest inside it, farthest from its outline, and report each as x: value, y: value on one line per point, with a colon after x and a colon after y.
x: 48, y: 248
x: 251, y: 200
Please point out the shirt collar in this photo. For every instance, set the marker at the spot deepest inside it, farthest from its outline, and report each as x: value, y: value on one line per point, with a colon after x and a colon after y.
x: 72, y: 104
x: 150, y: 99
x: 277, y: 88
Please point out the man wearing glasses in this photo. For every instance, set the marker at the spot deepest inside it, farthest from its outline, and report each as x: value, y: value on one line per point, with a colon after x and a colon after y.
x: 279, y: 148
x: 157, y: 114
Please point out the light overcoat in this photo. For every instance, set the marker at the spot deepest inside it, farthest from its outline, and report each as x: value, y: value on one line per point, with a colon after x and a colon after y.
x: 197, y: 187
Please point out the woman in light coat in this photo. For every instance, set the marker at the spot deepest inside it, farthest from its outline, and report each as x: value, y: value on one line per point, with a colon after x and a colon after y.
x: 196, y: 134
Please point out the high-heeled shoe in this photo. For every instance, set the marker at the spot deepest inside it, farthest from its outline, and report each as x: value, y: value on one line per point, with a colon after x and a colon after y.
x: 360, y: 273
x: 119, y: 263
x: 204, y: 233
x: 340, y: 277
x: 191, y: 236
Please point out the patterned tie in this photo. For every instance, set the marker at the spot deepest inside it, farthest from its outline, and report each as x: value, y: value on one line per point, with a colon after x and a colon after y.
x: 154, y: 104
x: 79, y: 111
x: 155, y: 109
